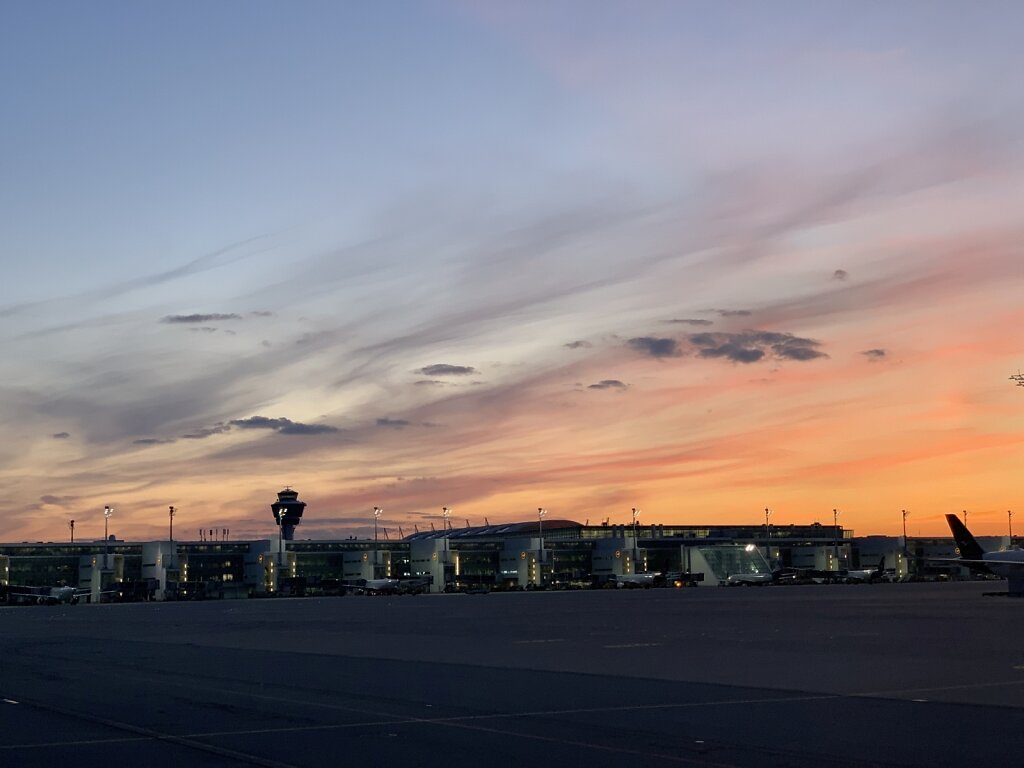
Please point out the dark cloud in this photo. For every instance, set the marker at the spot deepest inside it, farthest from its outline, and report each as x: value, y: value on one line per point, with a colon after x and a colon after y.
x: 429, y: 382
x: 874, y: 354
x: 151, y: 441
x: 282, y: 426
x: 443, y: 369
x: 259, y: 422
x: 61, y: 435
x: 608, y: 384
x: 752, y: 346
x: 735, y: 352
x: 57, y: 501
x: 689, y: 321
x: 394, y: 423
x: 200, y: 434
x: 197, y: 318
x: 840, y: 274
x: 655, y: 347
x: 577, y: 345
x: 298, y: 428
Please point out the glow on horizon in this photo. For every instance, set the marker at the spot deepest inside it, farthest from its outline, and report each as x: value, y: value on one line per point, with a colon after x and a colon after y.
x: 698, y: 260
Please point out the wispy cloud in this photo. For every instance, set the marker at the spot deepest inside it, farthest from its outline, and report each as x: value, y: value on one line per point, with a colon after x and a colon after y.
x: 443, y: 369
x: 199, y: 318
x: 608, y: 384
x: 282, y: 426
x: 690, y: 321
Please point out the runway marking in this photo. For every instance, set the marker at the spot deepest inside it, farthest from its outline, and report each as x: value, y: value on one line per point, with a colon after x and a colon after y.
x: 633, y: 645
x: 10, y: 701
x: 937, y: 689
x: 142, y: 734
x: 534, y: 642
x: 474, y: 722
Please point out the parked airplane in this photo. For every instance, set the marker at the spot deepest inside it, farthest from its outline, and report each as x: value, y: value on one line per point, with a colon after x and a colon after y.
x: 24, y: 595
x: 635, y: 580
x: 749, y: 579
x: 864, y: 574
x: 1008, y: 563
x: 372, y: 586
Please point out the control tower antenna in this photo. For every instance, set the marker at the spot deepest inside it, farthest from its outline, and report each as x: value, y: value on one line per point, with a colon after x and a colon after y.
x: 288, y: 512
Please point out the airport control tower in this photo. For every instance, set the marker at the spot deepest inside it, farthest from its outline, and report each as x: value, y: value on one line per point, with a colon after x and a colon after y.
x: 288, y: 512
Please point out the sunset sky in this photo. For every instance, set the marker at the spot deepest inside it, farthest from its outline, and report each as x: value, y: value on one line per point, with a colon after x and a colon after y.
x: 693, y: 257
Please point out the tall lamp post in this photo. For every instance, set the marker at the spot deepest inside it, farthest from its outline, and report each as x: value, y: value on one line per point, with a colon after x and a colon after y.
x: 636, y: 547
x: 835, y: 535
x: 540, y: 534
x: 170, y: 518
x: 376, y: 555
x: 767, y: 529
x: 965, y: 518
x: 71, y: 525
x: 107, y: 512
x: 1009, y: 520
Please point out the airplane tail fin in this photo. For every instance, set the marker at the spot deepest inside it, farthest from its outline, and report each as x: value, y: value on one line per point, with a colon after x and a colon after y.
x: 969, y: 548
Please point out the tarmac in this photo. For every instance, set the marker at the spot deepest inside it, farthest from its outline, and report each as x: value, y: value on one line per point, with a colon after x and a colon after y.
x: 841, y: 675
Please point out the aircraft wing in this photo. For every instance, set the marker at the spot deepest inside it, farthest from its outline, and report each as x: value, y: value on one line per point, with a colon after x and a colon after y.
x: 970, y: 561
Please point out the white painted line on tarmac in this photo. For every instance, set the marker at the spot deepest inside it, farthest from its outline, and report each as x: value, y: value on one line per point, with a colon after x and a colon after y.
x: 633, y: 645
x: 10, y: 701
x: 534, y: 642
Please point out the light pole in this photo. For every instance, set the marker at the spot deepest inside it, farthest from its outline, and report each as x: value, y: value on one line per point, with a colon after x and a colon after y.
x: 540, y: 534
x: 767, y: 529
x: 107, y: 512
x: 965, y: 518
x: 636, y: 547
x: 835, y: 535
x: 71, y: 525
x: 1009, y: 520
x: 376, y: 555
x: 170, y: 518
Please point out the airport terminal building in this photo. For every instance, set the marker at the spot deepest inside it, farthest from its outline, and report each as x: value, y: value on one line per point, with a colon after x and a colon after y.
x: 543, y: 554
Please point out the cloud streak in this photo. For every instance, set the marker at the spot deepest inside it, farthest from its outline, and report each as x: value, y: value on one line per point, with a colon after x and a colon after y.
x: 199, y: 318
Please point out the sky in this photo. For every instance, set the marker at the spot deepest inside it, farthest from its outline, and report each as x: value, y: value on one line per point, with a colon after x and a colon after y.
x: 695, y: 258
